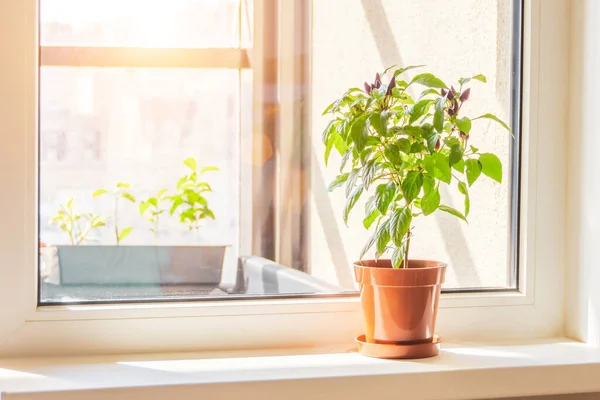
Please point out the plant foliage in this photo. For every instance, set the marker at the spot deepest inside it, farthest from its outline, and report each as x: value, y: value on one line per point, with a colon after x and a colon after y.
x: 190, y: 200
x: 405, y: 147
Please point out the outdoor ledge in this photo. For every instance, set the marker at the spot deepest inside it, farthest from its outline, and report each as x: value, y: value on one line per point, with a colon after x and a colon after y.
x: 461, y: 371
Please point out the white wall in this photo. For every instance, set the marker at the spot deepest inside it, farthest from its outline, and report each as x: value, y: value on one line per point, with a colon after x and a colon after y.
x: 352, y: 40
x: 583, y: 212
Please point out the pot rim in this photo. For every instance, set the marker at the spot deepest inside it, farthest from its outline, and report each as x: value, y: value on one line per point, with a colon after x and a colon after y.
x: 438, y: 264
x: 428, y: 273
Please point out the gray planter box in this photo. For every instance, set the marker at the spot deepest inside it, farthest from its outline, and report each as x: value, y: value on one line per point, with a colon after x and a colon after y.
x: 140, y: 265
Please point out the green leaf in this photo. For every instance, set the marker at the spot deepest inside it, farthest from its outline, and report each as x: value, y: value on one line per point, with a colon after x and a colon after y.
x: 428, y: 80
x: 144, y: 207
x: 379, y: 122
x: 128, y: 196
x: 480, y: 78
x: 459, y: 166
x: 430, y: 202
x: 368, y: 173
x: 384, y: 194
x: 438, y: 165
x: 333, y: 140
x: 431, y: 137
x: 388, y: 68
x: 400, y: 224
x: 176, y: 203
x: 392, y: 153
x: 402, y: 97
x: 190, y: 163
x: 414, y: 131
x: 456, y: 154
x: 411, y: 185
x: 474, y: 149
x: 398, y: 256
x: 358, y: 133
x: 99, y: 192
x: 365, y: 154
x: 208, y: 169
x: 382, y: 240
x: 427, y: 92
x: 419, y: 109
x: 452, y: 211
x: 372, y: 141
x: 464, y: 124
x: 428, y: 183
x: 181, y: 182
x: 189, y: 215
x: 70, y: 202
x: 203, y: 187
x: 332, y: 126
x: 383, y: 227
x: 494, y: 118
x: 330, y: 107
x: 352, y: 177
x: 472, y: 170
x: 404, y: 69
x: 153, y: 201
x: 438, y: 116
x: 97, y: 224
x: 338, y: 181
x: 160, y: 193
x: 432, y: 141
x: 123, y: 185
x: 351, y: 201
x: 345, y: 159
x: 403, y: 145
x: 370, y: 218
x: 209, y: 214
x: 451, y: 141
x: 491, y: 166
x: 417, y: 147
x: 124, y: 233
x: 462, y: 187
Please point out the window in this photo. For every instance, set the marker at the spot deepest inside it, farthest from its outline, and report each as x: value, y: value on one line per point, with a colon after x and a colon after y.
x: 54, y: 324
x: 136, y: 95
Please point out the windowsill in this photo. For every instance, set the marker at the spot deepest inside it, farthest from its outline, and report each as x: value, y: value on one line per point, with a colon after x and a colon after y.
x: 463, y: 370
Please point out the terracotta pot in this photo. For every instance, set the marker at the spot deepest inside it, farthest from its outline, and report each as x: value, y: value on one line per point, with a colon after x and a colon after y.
x: 399, y: 305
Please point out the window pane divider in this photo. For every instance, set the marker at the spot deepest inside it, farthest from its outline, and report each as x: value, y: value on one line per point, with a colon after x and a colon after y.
x: 142, y: 57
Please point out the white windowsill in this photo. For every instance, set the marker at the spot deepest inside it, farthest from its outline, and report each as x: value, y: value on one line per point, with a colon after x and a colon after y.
x: 463, y: 370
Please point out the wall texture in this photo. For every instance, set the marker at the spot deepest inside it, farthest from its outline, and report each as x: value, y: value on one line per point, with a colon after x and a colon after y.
x: 352, y: 40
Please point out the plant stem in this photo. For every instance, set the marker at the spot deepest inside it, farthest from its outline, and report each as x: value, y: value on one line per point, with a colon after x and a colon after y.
x: 156, y: 231
x: 72, y: 229
x: 83, y: 235
x: 407, y: 248
x: 408, y: 235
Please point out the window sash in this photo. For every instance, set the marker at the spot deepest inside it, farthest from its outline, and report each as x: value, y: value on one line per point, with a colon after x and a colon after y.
x: 142, y: 57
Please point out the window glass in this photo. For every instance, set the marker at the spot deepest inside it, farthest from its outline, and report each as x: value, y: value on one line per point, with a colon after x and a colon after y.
x: 166, y: 182
x: 143, y: 23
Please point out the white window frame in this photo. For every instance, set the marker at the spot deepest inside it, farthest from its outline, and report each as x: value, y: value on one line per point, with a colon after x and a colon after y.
x: 26, y: 329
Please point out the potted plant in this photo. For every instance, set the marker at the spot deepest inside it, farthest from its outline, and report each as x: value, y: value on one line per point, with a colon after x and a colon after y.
x: 397, y: 150
x: 194, y: 264
x: 142, y: 264
x: 78, y: 227
x: 108, y: 264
